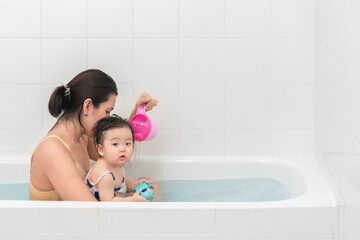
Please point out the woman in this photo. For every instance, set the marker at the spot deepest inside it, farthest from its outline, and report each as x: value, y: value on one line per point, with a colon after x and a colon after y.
x: 60, y: 162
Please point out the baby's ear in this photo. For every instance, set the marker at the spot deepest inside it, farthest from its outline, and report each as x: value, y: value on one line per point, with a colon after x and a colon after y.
x: 100, y: 149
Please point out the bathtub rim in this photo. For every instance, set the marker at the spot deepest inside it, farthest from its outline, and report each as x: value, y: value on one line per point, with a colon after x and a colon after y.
x: 314, y: 198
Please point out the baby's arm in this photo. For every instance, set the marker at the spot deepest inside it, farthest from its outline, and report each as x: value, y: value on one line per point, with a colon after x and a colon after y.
x: 106, y: 192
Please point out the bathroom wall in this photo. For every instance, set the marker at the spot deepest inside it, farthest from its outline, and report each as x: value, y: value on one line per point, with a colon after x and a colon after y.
x: 337, y: 105
x: 233, y: 77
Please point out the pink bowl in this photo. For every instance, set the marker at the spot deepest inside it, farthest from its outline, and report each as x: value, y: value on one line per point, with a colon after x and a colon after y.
x: 144, y: 128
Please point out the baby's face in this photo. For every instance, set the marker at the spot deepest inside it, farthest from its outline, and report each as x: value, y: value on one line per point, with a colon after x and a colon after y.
x: 118, y: 146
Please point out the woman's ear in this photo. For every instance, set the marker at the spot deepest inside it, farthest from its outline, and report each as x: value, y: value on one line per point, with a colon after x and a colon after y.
x: 100, y: 149
x: 88, y: 104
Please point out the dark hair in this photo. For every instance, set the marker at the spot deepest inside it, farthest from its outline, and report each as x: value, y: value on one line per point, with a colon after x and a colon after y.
x: 67, y: 100
x: 107, y: 123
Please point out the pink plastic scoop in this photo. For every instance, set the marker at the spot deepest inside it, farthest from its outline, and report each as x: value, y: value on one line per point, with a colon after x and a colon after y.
x: 144, y: 128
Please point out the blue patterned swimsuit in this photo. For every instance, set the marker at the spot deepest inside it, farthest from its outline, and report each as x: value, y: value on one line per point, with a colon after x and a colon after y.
x: 95, y: 190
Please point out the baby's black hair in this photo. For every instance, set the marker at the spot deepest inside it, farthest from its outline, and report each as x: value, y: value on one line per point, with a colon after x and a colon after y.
x: 107, y: 123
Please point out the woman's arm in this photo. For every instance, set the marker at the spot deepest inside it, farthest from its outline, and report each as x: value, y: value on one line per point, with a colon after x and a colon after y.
x: 60, y: 170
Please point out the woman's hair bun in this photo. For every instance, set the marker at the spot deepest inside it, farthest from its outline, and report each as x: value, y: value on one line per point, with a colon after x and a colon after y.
x: 58, y: 101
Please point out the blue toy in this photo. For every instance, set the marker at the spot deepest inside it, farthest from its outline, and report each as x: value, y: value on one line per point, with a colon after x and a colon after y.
x: 145, y: 190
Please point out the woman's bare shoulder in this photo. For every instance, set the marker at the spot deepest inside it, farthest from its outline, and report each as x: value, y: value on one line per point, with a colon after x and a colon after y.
x: 51, y: 148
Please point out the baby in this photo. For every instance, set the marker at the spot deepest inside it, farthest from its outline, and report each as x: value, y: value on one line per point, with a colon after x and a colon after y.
x: 114, y: 139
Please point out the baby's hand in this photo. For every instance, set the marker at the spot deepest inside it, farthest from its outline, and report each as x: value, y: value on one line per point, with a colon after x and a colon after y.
x: 147, y: 180
x: 137, y: 198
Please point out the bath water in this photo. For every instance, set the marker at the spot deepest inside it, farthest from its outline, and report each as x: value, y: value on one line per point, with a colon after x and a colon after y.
x: 14, y: 191
x: 224, y: 190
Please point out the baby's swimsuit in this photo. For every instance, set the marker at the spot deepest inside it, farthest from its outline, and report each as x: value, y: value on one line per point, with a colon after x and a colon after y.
x: 95, y: 191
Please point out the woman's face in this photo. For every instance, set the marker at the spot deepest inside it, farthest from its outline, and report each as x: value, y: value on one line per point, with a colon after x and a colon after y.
x: 95, y: 114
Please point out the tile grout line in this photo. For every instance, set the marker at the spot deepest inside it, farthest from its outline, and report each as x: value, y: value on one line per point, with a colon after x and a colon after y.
x: 179, y: 79
x: 270, y: 80
x: 86, y: 34
x: 224, y: 80
x: 132, y: 44
x: 41, y: 69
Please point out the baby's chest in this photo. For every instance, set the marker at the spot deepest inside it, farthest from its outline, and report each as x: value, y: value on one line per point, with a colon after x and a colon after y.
x: 119, y: 177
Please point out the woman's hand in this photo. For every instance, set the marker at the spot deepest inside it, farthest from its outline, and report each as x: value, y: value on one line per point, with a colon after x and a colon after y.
x: 144, y: 98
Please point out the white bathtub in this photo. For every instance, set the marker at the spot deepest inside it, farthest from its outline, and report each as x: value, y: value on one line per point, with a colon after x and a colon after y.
x: 309, y: 214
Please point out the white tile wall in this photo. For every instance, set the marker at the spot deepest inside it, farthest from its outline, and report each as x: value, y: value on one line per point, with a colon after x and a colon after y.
x: 12, y: 141
x: 109, y: 19
x: 128, y: 93
x: 160, y: 21
x: 337, y: 115
x: 200, y: 142
x: 20, y: 61
x: 293, y: 18
x: 214, y: 65
x: 20, y: 18
x: 207, y: 112
x: 292, y: 61
x: 48, y: 121
x: 247, y: 61
x: 56, y: 54
x: 63, y: 18
x: 247, y: 106
x: 247, y: 142
x: 166, y: 143
x: 292, y: 106
x: 247, y: 18
x: 156, y: 61
x: 21, y: 106
x: 292, y: 141
x: 202, y: 61
x: 201, y: 18
x: 113, y: 56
